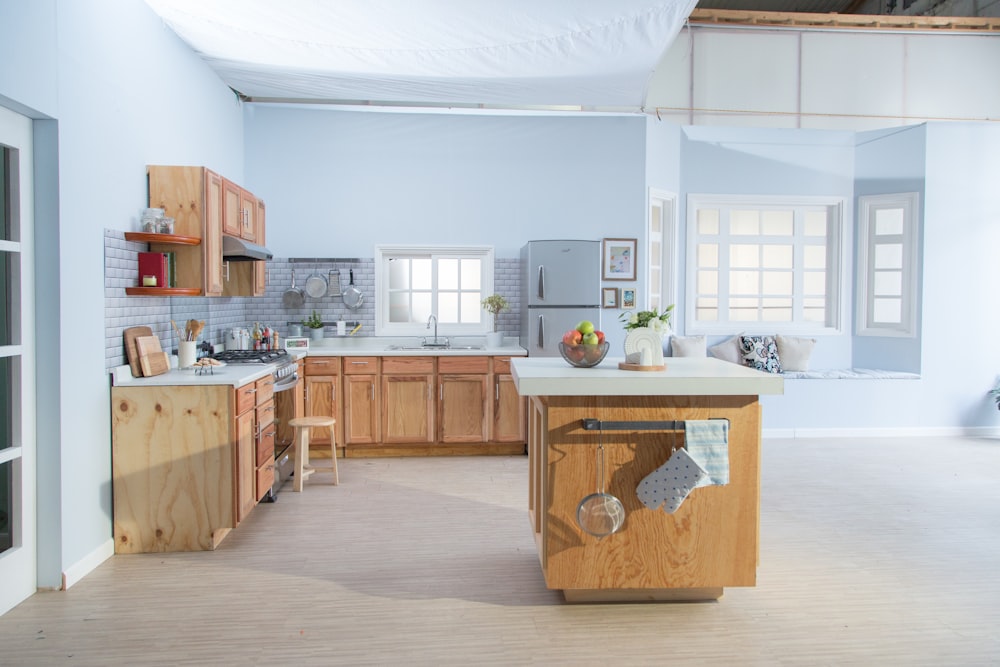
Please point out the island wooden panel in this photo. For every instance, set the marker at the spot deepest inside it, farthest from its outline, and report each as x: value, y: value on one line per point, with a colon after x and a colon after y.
x: 709, y: 543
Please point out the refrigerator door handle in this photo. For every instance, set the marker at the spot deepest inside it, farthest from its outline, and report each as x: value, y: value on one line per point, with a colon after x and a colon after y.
x: 541, y: 281
x: 541, y: 331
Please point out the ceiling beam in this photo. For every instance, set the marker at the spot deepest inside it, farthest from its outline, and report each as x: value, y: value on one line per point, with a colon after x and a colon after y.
x: 735, y: 17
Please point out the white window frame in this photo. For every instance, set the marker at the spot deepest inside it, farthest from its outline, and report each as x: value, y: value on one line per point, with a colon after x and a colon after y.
x: 662, y: 292
x: 868, y: 206
x: 383, y: 253
x: 834, y: 275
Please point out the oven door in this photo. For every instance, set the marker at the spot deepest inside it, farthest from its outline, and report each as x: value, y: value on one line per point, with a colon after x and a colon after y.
x: 289, y: 403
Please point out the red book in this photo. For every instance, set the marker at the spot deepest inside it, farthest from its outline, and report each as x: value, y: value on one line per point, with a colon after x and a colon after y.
x: 153, y: 264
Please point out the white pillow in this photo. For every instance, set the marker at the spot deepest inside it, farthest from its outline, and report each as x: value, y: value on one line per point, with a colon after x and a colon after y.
x: 687, y: 346
x: 728, y: 350
x: 794, y: 352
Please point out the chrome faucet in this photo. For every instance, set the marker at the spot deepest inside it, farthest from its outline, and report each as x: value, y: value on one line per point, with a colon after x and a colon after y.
x: 433, y: 317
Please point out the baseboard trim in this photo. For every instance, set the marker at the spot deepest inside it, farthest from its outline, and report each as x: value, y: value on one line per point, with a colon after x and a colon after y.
x: 884, y: 432
x: 87, y: 564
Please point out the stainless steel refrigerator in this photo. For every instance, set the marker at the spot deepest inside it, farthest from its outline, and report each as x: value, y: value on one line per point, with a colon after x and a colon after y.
x: 560, y: 285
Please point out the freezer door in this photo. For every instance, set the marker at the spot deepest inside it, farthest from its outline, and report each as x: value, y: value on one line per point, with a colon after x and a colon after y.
x: 547, y: 325
x: 563, y: 273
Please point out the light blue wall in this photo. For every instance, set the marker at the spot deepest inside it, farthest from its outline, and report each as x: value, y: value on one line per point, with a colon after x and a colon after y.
x: 28, y: 57
x: 338, y: 182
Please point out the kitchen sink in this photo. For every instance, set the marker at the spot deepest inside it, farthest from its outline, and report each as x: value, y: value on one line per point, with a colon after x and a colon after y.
x: 431, y: 348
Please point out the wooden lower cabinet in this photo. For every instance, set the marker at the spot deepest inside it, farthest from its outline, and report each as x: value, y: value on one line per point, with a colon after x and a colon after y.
x: 509, y: 410
x: 463, y: 406
x: 361, y: 400
x: 408, y: 400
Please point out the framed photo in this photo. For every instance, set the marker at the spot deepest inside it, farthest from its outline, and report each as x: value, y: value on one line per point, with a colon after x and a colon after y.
x: 619, y: 259
x: 628, y: 298
x: 609, y: 297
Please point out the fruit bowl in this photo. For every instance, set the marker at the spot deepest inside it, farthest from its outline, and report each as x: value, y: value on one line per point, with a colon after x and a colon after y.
x: 584, y: 356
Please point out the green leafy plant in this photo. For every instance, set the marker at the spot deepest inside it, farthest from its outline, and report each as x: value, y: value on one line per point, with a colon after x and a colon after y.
x: 314, y: 321
x: 995, y: 393
x: 647, y: 318
x: 495, y: 304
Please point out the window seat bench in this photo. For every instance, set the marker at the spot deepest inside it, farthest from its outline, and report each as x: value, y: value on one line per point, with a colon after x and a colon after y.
x: 850, y: 374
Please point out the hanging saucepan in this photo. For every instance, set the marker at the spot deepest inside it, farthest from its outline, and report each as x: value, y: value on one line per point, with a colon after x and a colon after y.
x: 293, y: 297
x: 316, y: 285
x: 353, y: 297
x: 600, y: 514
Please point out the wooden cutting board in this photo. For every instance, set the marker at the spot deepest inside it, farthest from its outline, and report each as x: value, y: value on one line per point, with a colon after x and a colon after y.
x: 154, y: 363
x: 131, y: 351
x: 146, y: 345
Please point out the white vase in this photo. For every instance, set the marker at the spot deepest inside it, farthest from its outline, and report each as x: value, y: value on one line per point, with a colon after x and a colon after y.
x: 644, y: 347
x: 494, y: 339
x: 317, y: 334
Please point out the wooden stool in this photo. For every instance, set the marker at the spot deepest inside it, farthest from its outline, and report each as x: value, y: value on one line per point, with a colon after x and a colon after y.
x: 302, y: 466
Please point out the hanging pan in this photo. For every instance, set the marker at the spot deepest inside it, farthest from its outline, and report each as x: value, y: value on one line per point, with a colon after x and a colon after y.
x: 600, y: 514
x: 353, y: 297
x: 293, y: 297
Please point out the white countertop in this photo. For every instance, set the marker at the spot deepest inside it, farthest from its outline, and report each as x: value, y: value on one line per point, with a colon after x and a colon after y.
x: 684, y: 376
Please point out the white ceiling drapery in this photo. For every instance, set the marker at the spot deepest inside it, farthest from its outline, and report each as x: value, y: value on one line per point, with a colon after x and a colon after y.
x: 514, y: 53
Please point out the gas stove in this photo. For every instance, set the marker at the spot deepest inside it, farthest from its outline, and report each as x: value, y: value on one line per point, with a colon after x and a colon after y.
x: 252, y: 356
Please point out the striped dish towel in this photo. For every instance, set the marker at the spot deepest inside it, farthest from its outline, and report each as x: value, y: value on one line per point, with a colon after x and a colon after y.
x: 707, y: 441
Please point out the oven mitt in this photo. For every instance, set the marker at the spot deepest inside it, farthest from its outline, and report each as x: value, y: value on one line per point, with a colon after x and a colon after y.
x: 671, y: 483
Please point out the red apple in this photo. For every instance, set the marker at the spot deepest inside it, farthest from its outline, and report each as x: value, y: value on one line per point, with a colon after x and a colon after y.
x: 600, y: 337
x: 592, y: 353
x: 576, y: 353
x: 572, y: 337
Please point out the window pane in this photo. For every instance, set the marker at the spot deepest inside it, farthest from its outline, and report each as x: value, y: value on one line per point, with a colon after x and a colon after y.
x: 888, y: 311
x: 777, y: 310
x: 8, y: 156
x: 744, y: 222
x: 707, y: 309
x: 471, y: 274
x: 655, y: 214
x: 10, y: 273
x: 744, y: 310
x: 888, y: 256
x: 708, y: 255
x: 421, y: 306
x: 654, y: 253
x: 399, y: 273
x: 744, y: 256
x: 888, y: 283
x: 447, y: 307
x: 814, y: 257
x: 888, y: 221
x: 744, y: 282
x: 399, y: 306
x: 6, y: 505
x: 778, y: 282
x: 708, y: 282
x: 813, y: 283
x: 777, y: 223
x: 777, y: 256
x: 814, y: 309
x: 708, y: 221
x: 472, y: 309
x: 447, y: 274
x: 421, y: 274
x: 815, y: 223
x: 654, y: 281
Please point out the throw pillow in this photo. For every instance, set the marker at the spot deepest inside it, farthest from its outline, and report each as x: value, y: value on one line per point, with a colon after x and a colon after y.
x: 728, y: 350
x: 760, y: 352
x: 687, y: 346
x: 794, y: 352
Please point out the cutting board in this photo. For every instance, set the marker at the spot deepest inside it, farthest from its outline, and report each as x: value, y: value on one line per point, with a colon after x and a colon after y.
x: 131, y: 351
x: 152, y: 359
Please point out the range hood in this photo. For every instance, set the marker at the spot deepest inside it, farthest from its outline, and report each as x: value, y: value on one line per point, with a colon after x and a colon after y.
x: 236, y: 249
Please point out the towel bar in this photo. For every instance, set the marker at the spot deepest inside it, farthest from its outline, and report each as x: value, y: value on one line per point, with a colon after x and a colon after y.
x: 670, y: 425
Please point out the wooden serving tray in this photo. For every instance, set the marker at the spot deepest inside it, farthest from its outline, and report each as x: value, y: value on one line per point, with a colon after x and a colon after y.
x: 638, y: 367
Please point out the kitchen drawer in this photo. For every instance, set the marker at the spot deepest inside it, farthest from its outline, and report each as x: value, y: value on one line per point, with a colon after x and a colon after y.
x: 246, y: 397
x: 265, y: 389
x: 360, y: 365
x: 463, y: 364
x: 408, y: 365
x: 265, y: 479
x: 265, y: 414
x: 265, y: 445
x: 501, y: 364
x: 322, y: 365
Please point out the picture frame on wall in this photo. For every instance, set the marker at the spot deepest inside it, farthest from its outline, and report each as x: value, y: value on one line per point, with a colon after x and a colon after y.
x: 609, y: 297
x: 618, y: 259
x: 628, y: 298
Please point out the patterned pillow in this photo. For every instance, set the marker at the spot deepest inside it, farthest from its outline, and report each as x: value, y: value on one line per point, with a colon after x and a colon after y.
x: 760, y: 352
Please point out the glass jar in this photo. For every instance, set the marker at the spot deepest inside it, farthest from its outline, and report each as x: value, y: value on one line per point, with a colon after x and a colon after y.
x: 166, y: 225
x: 149, y: 221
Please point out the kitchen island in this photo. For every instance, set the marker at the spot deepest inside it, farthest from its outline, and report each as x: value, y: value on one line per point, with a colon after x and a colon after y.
x: 711, y: 541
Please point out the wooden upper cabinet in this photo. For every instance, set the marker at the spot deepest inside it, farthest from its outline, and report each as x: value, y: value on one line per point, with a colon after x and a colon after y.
x: 260, y: 267
x: 248, y: 216
x: 232, y: 213
x: 212, y: 241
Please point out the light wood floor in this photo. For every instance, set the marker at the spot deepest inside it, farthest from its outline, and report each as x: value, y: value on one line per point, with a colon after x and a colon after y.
x: 881, y: 551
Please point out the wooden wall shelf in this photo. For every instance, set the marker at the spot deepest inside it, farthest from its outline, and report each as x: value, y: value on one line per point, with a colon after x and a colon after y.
x: 162, y: 291
x: 175, y: 239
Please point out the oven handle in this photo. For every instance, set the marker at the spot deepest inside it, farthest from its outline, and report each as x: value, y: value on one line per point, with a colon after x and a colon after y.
x: 287, y: 383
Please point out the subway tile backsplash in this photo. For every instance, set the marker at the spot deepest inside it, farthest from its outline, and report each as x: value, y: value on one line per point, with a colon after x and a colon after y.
x: 222, y: 313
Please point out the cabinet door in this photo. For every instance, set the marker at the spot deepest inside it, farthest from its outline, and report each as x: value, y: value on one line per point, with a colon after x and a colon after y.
x: 462, y: 408
x: 508, y: 411
x: 246, y: 465
x: 360, y: 409
x: 321, y: 400
x: 211, y: 241
x: 260, y: 268
x: 407, y: 408
x: 232, y: 214
x: 248, y: 216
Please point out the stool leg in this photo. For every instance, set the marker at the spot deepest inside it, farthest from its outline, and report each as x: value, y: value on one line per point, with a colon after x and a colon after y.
x: 301, y: 445
x: 333, y: 452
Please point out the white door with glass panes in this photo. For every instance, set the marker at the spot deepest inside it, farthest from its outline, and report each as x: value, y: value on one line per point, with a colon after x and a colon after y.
x: 17, y: 364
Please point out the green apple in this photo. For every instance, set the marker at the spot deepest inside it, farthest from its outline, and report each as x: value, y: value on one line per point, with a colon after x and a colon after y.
x: 590, y: 339
x: 585, y: 327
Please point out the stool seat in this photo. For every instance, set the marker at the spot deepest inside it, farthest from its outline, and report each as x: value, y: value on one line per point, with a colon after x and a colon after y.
x: 303, y: 468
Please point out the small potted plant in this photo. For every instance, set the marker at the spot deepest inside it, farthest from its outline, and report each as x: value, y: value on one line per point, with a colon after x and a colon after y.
x: 314, y: 322
x: 495, y: 304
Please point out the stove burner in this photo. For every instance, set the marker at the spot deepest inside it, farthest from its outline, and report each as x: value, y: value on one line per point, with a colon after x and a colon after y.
x: 251, y: 356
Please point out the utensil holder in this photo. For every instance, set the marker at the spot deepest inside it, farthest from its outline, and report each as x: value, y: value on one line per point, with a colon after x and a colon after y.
x: 186, y: 352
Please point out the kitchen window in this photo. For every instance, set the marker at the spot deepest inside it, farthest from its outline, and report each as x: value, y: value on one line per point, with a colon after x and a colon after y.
x: 414, y: 282
x: 763, y: 264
